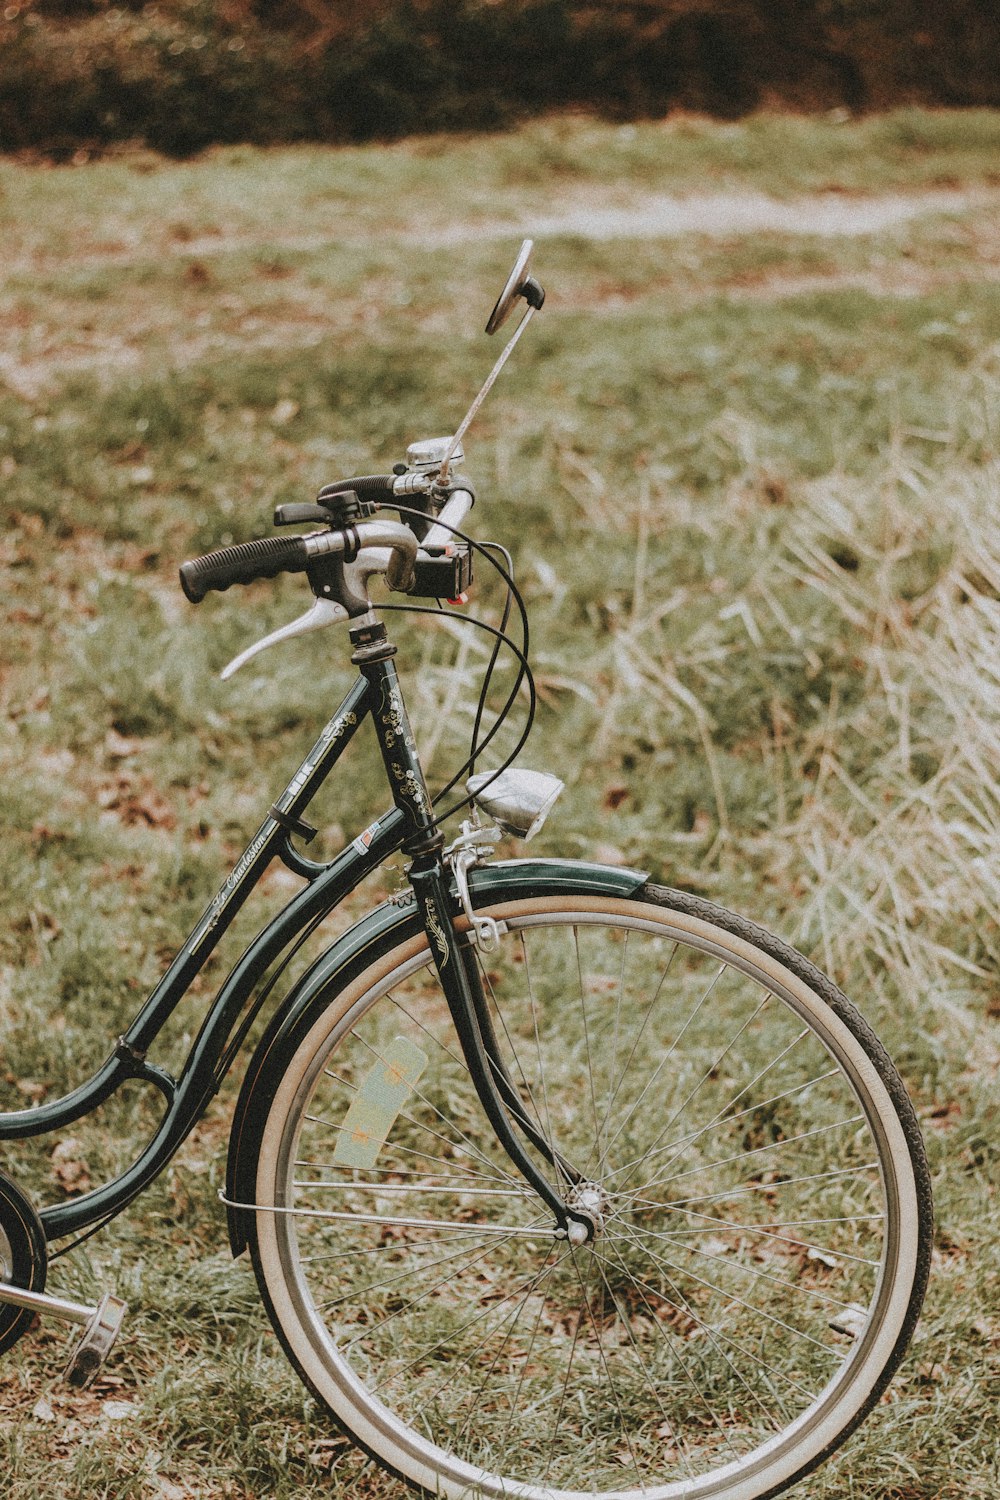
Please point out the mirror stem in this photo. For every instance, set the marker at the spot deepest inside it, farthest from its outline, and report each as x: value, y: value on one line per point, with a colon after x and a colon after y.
x: 487, y: 387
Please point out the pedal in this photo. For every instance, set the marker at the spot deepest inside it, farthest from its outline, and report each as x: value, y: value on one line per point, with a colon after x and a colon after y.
x: 97, y: 1342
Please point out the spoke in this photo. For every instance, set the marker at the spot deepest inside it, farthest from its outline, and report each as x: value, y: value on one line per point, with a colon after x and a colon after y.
x: 600, y: 1349
x: 674, y: 1346
x: 395, y: 1171
x: 626, y: 1323
x: 549, y: 1138
x: 732, y: 1297
x: 407, y: 1273
x: 505, y: 1437
x: 415, y: 1151
x: 709, y: 1071
x: 513, y: 1050
x: 357, y: 1216
x: 397, y: 1312
x: 726, y: 1161
x: 772, y: 1187
x: 723, y: 1118
x: 840, y: 1219
x: 396, y: 1146
x: 454, y: 1333
x: 628, y: 1061
x: 715, y: 1332
x: 661, y: 1065
x: 379, y: 1248
x: 586, y: 1041
x: 412, y: 1187
x: 473, y: 1401
x: 557, y: 1425
x: 471, y: 1146
x: 442, y: 1047
x: 712, y: 1223
x: 739, y: 1265
x: 614, y: 1052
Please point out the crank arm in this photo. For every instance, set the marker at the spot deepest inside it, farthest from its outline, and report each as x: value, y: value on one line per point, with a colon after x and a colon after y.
x: 42, y: 1302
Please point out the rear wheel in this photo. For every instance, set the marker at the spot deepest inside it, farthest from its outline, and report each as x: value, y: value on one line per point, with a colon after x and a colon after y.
x: 23, y: 1257
x: 747, y: 1152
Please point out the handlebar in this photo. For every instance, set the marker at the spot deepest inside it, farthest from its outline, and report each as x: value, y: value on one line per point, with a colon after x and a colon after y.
x: 247, y: 561
x: 243, y: 563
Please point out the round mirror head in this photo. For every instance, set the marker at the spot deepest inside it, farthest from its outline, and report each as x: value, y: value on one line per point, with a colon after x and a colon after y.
x: 520, y: 283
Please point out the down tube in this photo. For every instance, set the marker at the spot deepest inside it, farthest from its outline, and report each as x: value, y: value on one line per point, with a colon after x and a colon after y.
x: 200, y: 1080
x: 128, y: 1061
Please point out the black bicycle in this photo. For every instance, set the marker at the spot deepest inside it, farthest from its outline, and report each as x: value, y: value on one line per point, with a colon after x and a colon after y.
x: 555, y: 1182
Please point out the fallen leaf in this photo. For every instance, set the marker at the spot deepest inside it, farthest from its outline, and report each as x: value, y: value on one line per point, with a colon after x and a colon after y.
x: 118, y: 1411
x: 69, y: 1167
x: 823, y: 1258
x: 851, y: 1320
x: 33, y: 1091
x: 136, y: 802
x: 167, y: 1490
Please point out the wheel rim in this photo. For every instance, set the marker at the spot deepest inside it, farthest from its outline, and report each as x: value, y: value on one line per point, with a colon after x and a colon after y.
x: 22, y: 1257
x: 6, y: 1256
x: 748, y: 1280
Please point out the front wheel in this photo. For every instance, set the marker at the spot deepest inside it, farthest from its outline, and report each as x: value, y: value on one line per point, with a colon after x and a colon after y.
x: 744, y: 1147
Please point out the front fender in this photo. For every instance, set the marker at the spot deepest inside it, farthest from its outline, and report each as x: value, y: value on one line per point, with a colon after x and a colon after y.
x: 387, y: 925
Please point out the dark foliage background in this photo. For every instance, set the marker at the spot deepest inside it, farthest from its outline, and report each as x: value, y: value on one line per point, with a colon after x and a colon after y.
x: 183, y: 74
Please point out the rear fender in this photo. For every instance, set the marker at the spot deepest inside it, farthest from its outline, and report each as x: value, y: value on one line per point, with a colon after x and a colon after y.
x: 385, y: 927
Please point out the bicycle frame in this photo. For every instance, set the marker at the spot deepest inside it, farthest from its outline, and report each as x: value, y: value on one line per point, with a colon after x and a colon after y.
x: 223, y: 1031
x: 411, y: 826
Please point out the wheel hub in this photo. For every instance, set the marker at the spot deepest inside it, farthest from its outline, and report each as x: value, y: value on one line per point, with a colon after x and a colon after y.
x: 588, y: 1198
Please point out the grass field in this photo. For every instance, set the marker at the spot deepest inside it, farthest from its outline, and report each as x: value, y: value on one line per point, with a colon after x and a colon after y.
x: 751, y: 483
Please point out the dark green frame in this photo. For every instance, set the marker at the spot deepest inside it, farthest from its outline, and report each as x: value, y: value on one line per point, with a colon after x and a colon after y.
x: 411, y: 826
x: 214, y: 1050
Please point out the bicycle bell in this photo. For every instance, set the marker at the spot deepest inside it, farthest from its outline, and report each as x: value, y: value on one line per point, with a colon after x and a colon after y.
x: 429, y: 454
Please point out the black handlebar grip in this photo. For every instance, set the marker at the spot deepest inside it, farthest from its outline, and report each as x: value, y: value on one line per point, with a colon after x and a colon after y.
x: 243, y: 563
x: 364, y: 484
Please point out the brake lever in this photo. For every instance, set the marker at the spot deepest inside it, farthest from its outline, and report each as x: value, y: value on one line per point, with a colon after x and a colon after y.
x: 323, y: 612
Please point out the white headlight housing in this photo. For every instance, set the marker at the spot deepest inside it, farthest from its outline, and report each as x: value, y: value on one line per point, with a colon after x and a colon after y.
x: 519, y: 800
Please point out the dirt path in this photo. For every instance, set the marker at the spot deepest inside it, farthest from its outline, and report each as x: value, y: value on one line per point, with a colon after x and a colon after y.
x: 729, y: 215
x: 112, y: 336
x: 615, y: 214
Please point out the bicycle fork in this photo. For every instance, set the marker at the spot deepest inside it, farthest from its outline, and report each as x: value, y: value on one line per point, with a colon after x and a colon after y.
x: 451, y: 950
x: 455, y: 960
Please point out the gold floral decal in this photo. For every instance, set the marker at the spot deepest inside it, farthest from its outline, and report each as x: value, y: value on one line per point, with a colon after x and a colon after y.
x: 339, y: 728
x: 436, y: 930
x: 411, y: 788
x: 393, y: 719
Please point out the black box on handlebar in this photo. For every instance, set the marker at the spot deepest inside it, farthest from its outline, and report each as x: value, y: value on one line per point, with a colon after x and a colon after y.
x: 443, y: 575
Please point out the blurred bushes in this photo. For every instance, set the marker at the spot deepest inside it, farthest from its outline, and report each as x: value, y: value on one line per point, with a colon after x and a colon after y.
x: 182, y: 74
x: 177, y: 78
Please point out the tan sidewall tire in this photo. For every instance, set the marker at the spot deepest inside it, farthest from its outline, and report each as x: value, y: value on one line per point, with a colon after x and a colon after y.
x: 812, y: 1436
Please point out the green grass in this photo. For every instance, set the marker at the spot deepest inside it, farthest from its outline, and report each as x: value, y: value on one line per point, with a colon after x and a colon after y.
x: 751, y: 485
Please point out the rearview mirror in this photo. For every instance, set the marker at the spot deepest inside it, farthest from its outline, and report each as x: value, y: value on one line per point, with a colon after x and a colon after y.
x: 520, y: 283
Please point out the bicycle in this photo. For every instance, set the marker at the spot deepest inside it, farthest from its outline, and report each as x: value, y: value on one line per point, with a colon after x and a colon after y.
x: 554, y: 1181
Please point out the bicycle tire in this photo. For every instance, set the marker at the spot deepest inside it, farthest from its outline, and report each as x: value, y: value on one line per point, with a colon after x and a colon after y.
x: 23, y: 1257
x: 759, y: 1264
